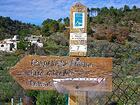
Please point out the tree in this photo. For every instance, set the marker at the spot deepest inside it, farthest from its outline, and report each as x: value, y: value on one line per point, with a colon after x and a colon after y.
x: 22, y: 45
x: 134, y: 8
x: 50, y: 98
x: 60, y: 20
x: 9, y: 28
x: 88, y: 11
x: 54, y: 26
x: 98, y: 10
x: 61, y: 27
x: 50, y: 26
x: 24, y: 32
x: 45, y: 29
x: 104, y: 10
x: 126, y: 8
x: 89, y: 30
x: 66, y: 21
x: 94, y: 12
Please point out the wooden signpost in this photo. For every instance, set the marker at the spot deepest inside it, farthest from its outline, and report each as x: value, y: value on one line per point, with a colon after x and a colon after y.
x: 78, y: 47
x: 76, y: 72
x: 41, y: 72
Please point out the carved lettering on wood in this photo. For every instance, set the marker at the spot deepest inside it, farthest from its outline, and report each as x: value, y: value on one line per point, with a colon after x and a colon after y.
x: 38, y: 72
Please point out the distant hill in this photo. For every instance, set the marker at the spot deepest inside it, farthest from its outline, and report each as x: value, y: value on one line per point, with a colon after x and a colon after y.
x: 9, y: 27
x: 113, y: 24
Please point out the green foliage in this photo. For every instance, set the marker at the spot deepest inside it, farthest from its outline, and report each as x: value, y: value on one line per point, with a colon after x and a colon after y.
x: 89, y: 30
x: 24, y: 32
x: 22, y: 45
x: 66, y: 21
x: 56, y: 44
x: 50, y: 98
x: 98, y: 19
x: 8, y: 88
x: 115, y: 16
x: 50, y: 26
x: 32, y: 93
x: 114, y: 24
x: 9, y: 28
x: 61, y: 27
x: 126, y: 8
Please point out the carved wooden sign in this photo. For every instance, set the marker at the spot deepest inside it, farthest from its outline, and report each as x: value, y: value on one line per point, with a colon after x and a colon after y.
x: 43, y: 72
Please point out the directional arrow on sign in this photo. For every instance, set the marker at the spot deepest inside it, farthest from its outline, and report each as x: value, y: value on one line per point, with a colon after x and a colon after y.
x: 43, y: 72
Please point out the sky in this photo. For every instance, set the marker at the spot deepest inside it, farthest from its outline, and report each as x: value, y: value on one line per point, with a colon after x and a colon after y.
x: 35, y: 11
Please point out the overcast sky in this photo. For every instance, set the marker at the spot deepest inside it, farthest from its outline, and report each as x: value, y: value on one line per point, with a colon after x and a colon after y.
x: 35, y: 11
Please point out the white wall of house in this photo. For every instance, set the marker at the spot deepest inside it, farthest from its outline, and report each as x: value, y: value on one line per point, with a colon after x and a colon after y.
x: 4, y: 47
x: 8, y: 45
x: 39, y: 44
x: 34, y: 40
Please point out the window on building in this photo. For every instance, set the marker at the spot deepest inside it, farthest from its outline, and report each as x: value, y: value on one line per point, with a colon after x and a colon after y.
x: 11, y: 46
x: 38, y: 40
x: 2, y: 45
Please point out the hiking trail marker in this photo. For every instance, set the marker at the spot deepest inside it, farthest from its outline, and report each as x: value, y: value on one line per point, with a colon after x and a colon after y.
x: 78, y: 30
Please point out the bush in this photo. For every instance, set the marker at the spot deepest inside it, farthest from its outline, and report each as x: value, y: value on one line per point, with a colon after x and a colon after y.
x: 50, y: 98
x: 22, y: 45
x: 113, y: 34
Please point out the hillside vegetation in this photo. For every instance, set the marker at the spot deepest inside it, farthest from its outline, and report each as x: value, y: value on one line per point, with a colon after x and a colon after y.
x: 9, y: 28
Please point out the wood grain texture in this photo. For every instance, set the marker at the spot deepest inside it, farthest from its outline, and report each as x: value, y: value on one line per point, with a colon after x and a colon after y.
x: 38, y: 72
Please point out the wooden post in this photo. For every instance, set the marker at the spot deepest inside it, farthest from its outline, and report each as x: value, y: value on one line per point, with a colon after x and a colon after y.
x: 80, y: 99
x: 72, y: 100
x: 78, y: 43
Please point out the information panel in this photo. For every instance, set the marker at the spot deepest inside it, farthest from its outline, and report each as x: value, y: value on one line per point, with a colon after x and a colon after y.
x: 78, y: 44
x: 78, y: 20
x: 78, y: 36
x: 78, y: 48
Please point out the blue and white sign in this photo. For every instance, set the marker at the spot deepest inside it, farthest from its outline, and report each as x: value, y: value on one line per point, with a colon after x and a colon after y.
x: 78, y: 19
